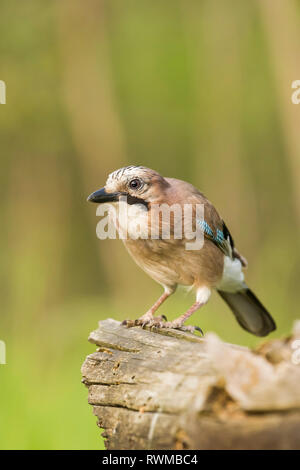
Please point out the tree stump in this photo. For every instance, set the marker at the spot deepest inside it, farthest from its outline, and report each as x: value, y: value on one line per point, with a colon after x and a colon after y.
x: 166, y: 389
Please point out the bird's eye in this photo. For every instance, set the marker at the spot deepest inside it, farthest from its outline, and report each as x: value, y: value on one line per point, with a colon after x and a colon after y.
x: 135, y: 183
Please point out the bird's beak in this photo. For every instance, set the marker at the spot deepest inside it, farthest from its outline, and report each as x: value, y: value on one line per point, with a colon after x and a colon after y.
x: 102, y: 196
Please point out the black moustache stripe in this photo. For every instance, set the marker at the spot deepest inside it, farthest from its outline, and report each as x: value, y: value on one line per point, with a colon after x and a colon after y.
x: 136, y: 200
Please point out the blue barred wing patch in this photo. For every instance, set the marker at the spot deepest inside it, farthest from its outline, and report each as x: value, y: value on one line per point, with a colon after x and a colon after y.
x: 218, y: 238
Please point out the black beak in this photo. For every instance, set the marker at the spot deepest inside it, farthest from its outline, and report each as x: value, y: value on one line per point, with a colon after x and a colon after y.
x: 102, y: 196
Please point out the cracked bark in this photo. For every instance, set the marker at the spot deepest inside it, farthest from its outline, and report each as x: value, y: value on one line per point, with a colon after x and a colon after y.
x: 172, y: 390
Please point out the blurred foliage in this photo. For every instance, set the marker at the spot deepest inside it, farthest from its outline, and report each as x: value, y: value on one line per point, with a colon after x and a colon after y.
x: 198, y: 90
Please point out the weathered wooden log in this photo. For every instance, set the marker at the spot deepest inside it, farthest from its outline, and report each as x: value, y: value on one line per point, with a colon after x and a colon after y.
x: 165, y: 389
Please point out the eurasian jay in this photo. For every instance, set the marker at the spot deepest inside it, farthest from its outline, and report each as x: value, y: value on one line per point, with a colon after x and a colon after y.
x: 216, y: 265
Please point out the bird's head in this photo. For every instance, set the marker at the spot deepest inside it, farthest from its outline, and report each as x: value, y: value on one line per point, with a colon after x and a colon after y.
x: 138, y: 183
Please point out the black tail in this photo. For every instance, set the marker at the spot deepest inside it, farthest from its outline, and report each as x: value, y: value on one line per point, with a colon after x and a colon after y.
x: 249, y: 312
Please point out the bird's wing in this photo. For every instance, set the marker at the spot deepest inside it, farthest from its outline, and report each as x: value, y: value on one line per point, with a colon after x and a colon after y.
x: 214, y: 227
x: 216, y: 230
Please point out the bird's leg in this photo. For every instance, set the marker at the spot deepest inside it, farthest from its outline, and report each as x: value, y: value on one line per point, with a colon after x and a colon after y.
x: 179, y: 322
x: 148, y: 318
x: 203, y: 294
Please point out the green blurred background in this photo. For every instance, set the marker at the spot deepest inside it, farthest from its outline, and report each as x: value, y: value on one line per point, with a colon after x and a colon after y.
x: 198, y: 90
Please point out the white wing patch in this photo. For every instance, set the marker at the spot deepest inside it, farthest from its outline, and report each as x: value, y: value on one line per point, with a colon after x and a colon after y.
x: 233, y: 276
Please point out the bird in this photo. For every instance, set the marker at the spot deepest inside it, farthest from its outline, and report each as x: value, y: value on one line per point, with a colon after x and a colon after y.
x: 216, y: 265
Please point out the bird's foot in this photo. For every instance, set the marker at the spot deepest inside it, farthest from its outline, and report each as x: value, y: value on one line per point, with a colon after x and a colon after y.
x: 145, y: 320
x: 180, y: 326
x: 161, y: 322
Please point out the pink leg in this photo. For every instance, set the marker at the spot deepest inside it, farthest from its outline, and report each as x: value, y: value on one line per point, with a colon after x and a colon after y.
x: 157, y: 304
x: 179, y: 322
x: 203, y: 294
x: 148, y: 318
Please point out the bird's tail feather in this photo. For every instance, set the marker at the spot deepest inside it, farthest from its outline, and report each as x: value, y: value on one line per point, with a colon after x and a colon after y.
x: 249, y: 312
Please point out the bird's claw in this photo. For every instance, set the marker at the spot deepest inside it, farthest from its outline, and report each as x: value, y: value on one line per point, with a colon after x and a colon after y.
x: 145, y: 321
x: 156, y: 322
x: 191, y: 329
x: 179, y: 326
